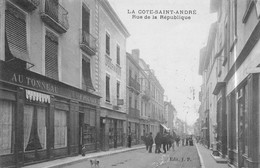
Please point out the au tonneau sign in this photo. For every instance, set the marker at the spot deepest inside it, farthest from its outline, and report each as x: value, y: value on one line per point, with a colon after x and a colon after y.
x: 37, y: 82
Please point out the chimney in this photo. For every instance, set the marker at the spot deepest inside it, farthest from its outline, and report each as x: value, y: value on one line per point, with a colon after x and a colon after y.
x: 136, y: 54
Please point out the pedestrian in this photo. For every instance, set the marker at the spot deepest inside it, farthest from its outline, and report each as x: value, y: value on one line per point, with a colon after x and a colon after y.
x: 150, y: 142
x: 164, y: 142
x: 177, y: 140
x: 146, y: 141
x: 158, y: 142
x: 187, y: 141
x: 129, y: 140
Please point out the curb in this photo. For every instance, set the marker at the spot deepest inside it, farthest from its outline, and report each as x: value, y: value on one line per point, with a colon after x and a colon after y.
x: 219, y: 159
x: 95, y: 155
x: 201, y: 160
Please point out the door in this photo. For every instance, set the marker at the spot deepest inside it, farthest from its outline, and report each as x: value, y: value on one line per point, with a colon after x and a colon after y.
x: 81, y: 121
x: 242, y: 126
x: 35, y: 133
x: 115, y: 134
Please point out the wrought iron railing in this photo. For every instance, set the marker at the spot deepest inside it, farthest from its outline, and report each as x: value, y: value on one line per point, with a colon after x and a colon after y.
x: 88, y: 40
x: 133, y: 83
x: 54, y: 10
x: 29, y: 5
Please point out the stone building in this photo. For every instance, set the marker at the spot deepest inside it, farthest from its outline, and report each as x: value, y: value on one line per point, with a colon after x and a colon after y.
x: 112, y: 60
x: 237, y: 88
x: 49, y: 80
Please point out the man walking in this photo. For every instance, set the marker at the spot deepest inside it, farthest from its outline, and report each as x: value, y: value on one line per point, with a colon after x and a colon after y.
x: 150, y: 142
x: 158, y: 142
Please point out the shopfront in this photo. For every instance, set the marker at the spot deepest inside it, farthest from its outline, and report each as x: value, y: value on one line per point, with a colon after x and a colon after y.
x: 40, y: 118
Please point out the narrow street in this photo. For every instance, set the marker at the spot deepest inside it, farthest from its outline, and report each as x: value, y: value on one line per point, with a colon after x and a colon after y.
x: 181, y: 157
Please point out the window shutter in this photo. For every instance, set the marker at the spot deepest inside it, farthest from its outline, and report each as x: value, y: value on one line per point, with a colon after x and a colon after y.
x: 15, y: 27
x: 51, y: 55
x: 86, y: 74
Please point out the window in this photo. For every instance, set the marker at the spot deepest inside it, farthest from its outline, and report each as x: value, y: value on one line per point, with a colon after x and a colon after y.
x: 15, y: 33
x: 34, y: 128
x: 249, y: 7
x: 118, y: 90
x: 130, y: 101
x: 51, y: 55
x: 6, y: 127
x: 107, y: 88
x: 120, y: 132
x: 60, y: 128
x: 111, y: 132
x: 86, y: 74
x: 107, y: 44
x: 118, y: 54
x: 85, y: 18
x: 89, y: 131
x: 232, y: 24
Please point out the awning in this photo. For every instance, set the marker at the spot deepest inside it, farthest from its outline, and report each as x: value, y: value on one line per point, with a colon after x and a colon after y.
x: 13, y: 52
x: 36, y: 96
x: 218, y: 87
x: 165, y: 127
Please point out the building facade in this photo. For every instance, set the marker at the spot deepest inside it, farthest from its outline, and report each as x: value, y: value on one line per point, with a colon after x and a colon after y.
x: 145, y: 110
x: 237, y: 88
x: 156, y: 104
x: 170, y: 115
x: 112, y: 60
x: 133, y: 95
x: 49, y: 81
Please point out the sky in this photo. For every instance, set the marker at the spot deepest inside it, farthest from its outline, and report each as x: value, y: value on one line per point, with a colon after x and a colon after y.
x: 171, y: 47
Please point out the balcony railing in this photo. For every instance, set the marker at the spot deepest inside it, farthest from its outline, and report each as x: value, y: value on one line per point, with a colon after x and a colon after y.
x: 28, y: 5
x: 146, y: 94
x: 133, y: 83
x: 134, y: 113
x: 88, y: 43
x: 54, y: 15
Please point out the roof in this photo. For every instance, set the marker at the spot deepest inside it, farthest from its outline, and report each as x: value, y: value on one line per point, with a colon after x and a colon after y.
x: 112, y: 14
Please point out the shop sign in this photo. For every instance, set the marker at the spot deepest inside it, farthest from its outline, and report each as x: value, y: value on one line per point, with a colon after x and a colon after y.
x: 31, y: 82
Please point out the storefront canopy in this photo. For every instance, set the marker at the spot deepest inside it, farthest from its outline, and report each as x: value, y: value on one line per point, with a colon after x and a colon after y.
x: 165, y: 127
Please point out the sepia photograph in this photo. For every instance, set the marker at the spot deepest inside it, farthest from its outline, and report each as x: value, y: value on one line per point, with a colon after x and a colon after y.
x: 129, y: 84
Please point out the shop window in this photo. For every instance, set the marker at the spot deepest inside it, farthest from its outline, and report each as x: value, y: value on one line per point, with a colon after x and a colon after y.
x: 111, y: 133
x: 34, y: 128
x: 6, y: 127
x: 60, y: 129
x: 119, y: 132
x: 51, y: 55
x: 89, y: 131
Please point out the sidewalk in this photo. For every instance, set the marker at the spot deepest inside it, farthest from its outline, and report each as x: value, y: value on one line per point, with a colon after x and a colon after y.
x: 75, y: 159
x: 207, y: 160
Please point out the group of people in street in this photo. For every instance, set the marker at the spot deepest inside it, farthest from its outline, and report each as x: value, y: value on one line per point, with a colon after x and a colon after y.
x: 165, y: 141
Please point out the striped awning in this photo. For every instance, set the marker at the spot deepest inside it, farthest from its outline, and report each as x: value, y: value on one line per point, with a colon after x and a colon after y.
x: 36, y: 96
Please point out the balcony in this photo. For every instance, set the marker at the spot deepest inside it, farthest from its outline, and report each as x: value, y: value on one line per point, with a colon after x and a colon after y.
x: 55, y: 16
x: 134, y: 113
x: 28, y: 5
x: 88, y: 43
x: 146, y: 94
x: 134, y: 84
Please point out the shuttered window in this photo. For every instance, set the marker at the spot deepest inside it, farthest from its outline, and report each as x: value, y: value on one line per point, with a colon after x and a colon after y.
x: 86, y: 74
x: 107, y: 88
x: 51, y: 55
x: 118, y: 54
x: 107, y: 44
x: 15, y: 28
